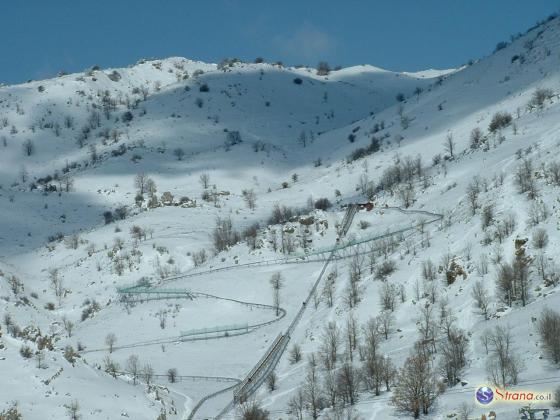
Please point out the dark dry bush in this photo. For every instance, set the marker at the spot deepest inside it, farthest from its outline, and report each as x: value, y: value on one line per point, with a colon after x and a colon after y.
x: 500, y: 120
x: 323, y: 204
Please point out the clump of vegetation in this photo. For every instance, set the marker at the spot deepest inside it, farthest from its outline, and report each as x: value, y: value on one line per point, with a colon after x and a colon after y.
x: 539, y: 97
x: 283, y: 214
x: 323, y: 204
x: 323, y: 68
x: 362, y: 152
x: 385, y: 269
x: 91, y: 308
x: 499, y: 121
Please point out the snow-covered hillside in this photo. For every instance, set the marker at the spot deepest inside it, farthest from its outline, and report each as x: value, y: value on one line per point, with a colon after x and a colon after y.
x: 118, y: 178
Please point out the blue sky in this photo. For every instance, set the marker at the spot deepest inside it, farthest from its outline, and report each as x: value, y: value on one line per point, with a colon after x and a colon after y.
x: 40, y: 37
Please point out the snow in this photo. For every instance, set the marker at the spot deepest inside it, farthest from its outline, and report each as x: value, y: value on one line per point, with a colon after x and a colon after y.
x: 270, y: 111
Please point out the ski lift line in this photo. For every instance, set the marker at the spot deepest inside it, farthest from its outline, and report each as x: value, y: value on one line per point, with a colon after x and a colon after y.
x: 268, y: 362
x: 270, y: 359
x: 206, y: 398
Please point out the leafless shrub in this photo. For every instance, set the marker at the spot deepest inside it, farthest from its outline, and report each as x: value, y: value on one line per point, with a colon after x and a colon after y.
x: 251, y: 410
x: 295, y: 354
x: 499, y: 120
x: 250, y: 198
x: 428, y: 270
x: 538, y: 212
x: 525, y: 180
x: 539, y: 97
x: 540, y: 238
x: 385, y: 269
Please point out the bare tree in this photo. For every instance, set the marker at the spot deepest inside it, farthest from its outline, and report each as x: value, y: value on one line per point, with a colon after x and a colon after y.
x: 224, y: 235
x: 204, y: 180
x: 28, y: 147
x: 348, y: 383
x: 371, y: 368
x: 415, y: 390
x: 549, y: 329
x: 553, y: 171
x: 542, y: 265
x: 40, y: 358
x: 385, y: 322
x: 110, y: 341
x: 302, y: 139
x: 199, y: 257
x: 57, y: 284
x: 68, y: 326
x: 295, y: 354
x: 388, y: 296
x: 329, y: 287
x: 172, y: 375
x: 464, y: 411
x: 162, y: 316
x: 513, y: 280
x: 449, y: 145
x: 73, y: 410
x: 487, y: 216
x: 426, y: 323
x: 473, y: 191
x: 179, y: 153
x: 428, y: 270
x: 133, y: 367
x: 150, y: 187
x: 388, y: 372
x: 556, y: 403
x: 406, y: 194
x: 250, y: 199
x: 111, y: 366
x: 271, y: 381
x: 296, y: 405
x: 140, y: 181
x: 276, y: 282
x: 353, y: 295
x: 23, y: 174
x: 147, y: 373
x: 480, y: 296
x: 93, y: 156
x: 251, y: 410
x: 351, y: 335
x: 453, y: 360
x: 503, y: 366
x: 330, y: 388
x: 330, y: 345
x: 476, y: 138
x: 525, y: 179
x: 482, y: 267
x: 311, y: 388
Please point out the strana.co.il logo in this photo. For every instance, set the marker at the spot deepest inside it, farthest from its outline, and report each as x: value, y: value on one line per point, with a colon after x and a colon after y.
x: 484, y: 395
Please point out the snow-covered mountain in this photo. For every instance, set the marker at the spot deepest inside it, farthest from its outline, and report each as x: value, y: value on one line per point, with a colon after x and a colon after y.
x: 117, y: 177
